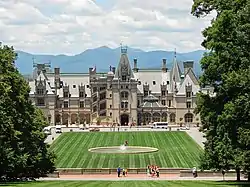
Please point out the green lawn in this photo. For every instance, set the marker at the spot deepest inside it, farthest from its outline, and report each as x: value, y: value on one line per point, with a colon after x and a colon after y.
x: 176, y: 149
x: 127, y: 183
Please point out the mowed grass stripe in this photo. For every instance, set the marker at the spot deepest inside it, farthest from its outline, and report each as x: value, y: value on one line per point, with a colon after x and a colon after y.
x: 175, y: 149
x: 103, y: 157
x: 161, y: 157
x: 165, y: 152
x: 77, y: 148
x: 72, y: 150
x: 189, y: 156
x: 194, y: 151
x: 62, y: 154
x: 85, y: 148
x: 84, y: 142
x: 177, y: 140
x: 93, y: 143
x: 169, y: 151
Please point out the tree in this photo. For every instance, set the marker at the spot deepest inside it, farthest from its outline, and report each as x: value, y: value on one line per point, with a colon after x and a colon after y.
x: 23, y: 152
x: 225, y: 115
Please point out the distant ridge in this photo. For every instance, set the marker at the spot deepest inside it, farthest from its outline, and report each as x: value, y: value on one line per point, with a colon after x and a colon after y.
x: 103, y: 57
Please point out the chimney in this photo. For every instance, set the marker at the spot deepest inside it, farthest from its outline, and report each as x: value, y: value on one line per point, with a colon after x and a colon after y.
x: 57, y: 71
x: 188, y: 65
x: 57, y: 77
x: 164, y: 65
x: 113, y: 70
x: 135, y: 69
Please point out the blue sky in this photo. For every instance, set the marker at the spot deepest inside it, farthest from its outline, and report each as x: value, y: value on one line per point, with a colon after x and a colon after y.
x: 72, y: 26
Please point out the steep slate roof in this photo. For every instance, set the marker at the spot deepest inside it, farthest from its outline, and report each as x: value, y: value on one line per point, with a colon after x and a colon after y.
x: 77, y: 79
x: 189, y: 79
x: 176, y: 72
x: 124, y: 61
x: 148, y: 76
x: 41, y: 77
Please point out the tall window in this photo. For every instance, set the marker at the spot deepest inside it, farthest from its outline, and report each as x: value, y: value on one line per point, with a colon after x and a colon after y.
x: 163, y: 92
x: 94, y: 108
x: 124, y: 95
x: 188, y: 104
x: 172, y: 117
x: 81, y: 104
x: 169, y: 103
x: 163, y: 102
x: 40, y: 102
x: 65, y: 94
x: 94, y: 99
x: 103, y: 96
x: 103, y: 106
x: 81, y: 94
x: 188, y: 117
x: 188, y: 94
x: 124, y: 105
x: 65, y: 104
x: 145, y: 93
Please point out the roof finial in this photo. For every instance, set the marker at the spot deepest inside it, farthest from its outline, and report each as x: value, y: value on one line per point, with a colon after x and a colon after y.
x: 123, y: 48
x: 174, y: 52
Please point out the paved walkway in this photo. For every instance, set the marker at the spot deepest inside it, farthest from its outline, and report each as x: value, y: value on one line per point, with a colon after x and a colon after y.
x: 197, y: 136
x: 113, y: 177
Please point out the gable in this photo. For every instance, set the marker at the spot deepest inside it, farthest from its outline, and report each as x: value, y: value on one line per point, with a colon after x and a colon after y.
x: 188, y: 81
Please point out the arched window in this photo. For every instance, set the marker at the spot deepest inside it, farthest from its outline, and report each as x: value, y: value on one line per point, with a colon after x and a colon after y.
x: 124, y: 95
x: 188, y: 117
x: 164, y: 117
x: 156, y: 117
x: 147, y: 117
x: 172, y: 118
x: 65, y: 117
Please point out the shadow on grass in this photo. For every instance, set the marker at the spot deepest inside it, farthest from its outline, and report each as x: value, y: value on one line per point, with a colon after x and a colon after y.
x: 13, y: 184
x: 233, y: 183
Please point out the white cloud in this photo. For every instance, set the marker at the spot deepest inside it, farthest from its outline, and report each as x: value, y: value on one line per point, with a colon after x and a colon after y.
x: 72, y: 26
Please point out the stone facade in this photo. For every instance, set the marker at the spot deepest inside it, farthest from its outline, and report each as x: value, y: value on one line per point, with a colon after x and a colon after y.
x: 123, y: 96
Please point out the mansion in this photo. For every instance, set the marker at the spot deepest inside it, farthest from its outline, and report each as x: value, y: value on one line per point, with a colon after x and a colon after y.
x: 123, y: 96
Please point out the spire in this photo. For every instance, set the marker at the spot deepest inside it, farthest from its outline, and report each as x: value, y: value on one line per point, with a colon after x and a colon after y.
x: 124, y: 68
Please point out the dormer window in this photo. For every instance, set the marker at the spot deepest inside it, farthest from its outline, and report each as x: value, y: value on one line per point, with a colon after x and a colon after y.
x: 154, y: 83
x: 81, y: 94
x: 167, y: 82
x: 188, y: 94
x: 66, y: 94
x: 139, y: 82
x: 124, y: 78
x: 40, y: 91
x: 74, y: 86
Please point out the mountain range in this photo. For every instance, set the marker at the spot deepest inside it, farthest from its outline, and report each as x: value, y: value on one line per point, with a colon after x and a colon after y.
x: 103, y: 57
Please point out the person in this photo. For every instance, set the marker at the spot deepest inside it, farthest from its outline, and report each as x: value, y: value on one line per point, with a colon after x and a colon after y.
x: 157, y: 171
x: 126, y: 172
x: 194, y: 172
x: 148, y: 171
x: 119, y: 171
x: 223, y: 174
x: 123, y: 172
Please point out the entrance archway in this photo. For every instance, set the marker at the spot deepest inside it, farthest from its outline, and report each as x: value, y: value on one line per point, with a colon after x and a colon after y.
x: 124, y: 119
